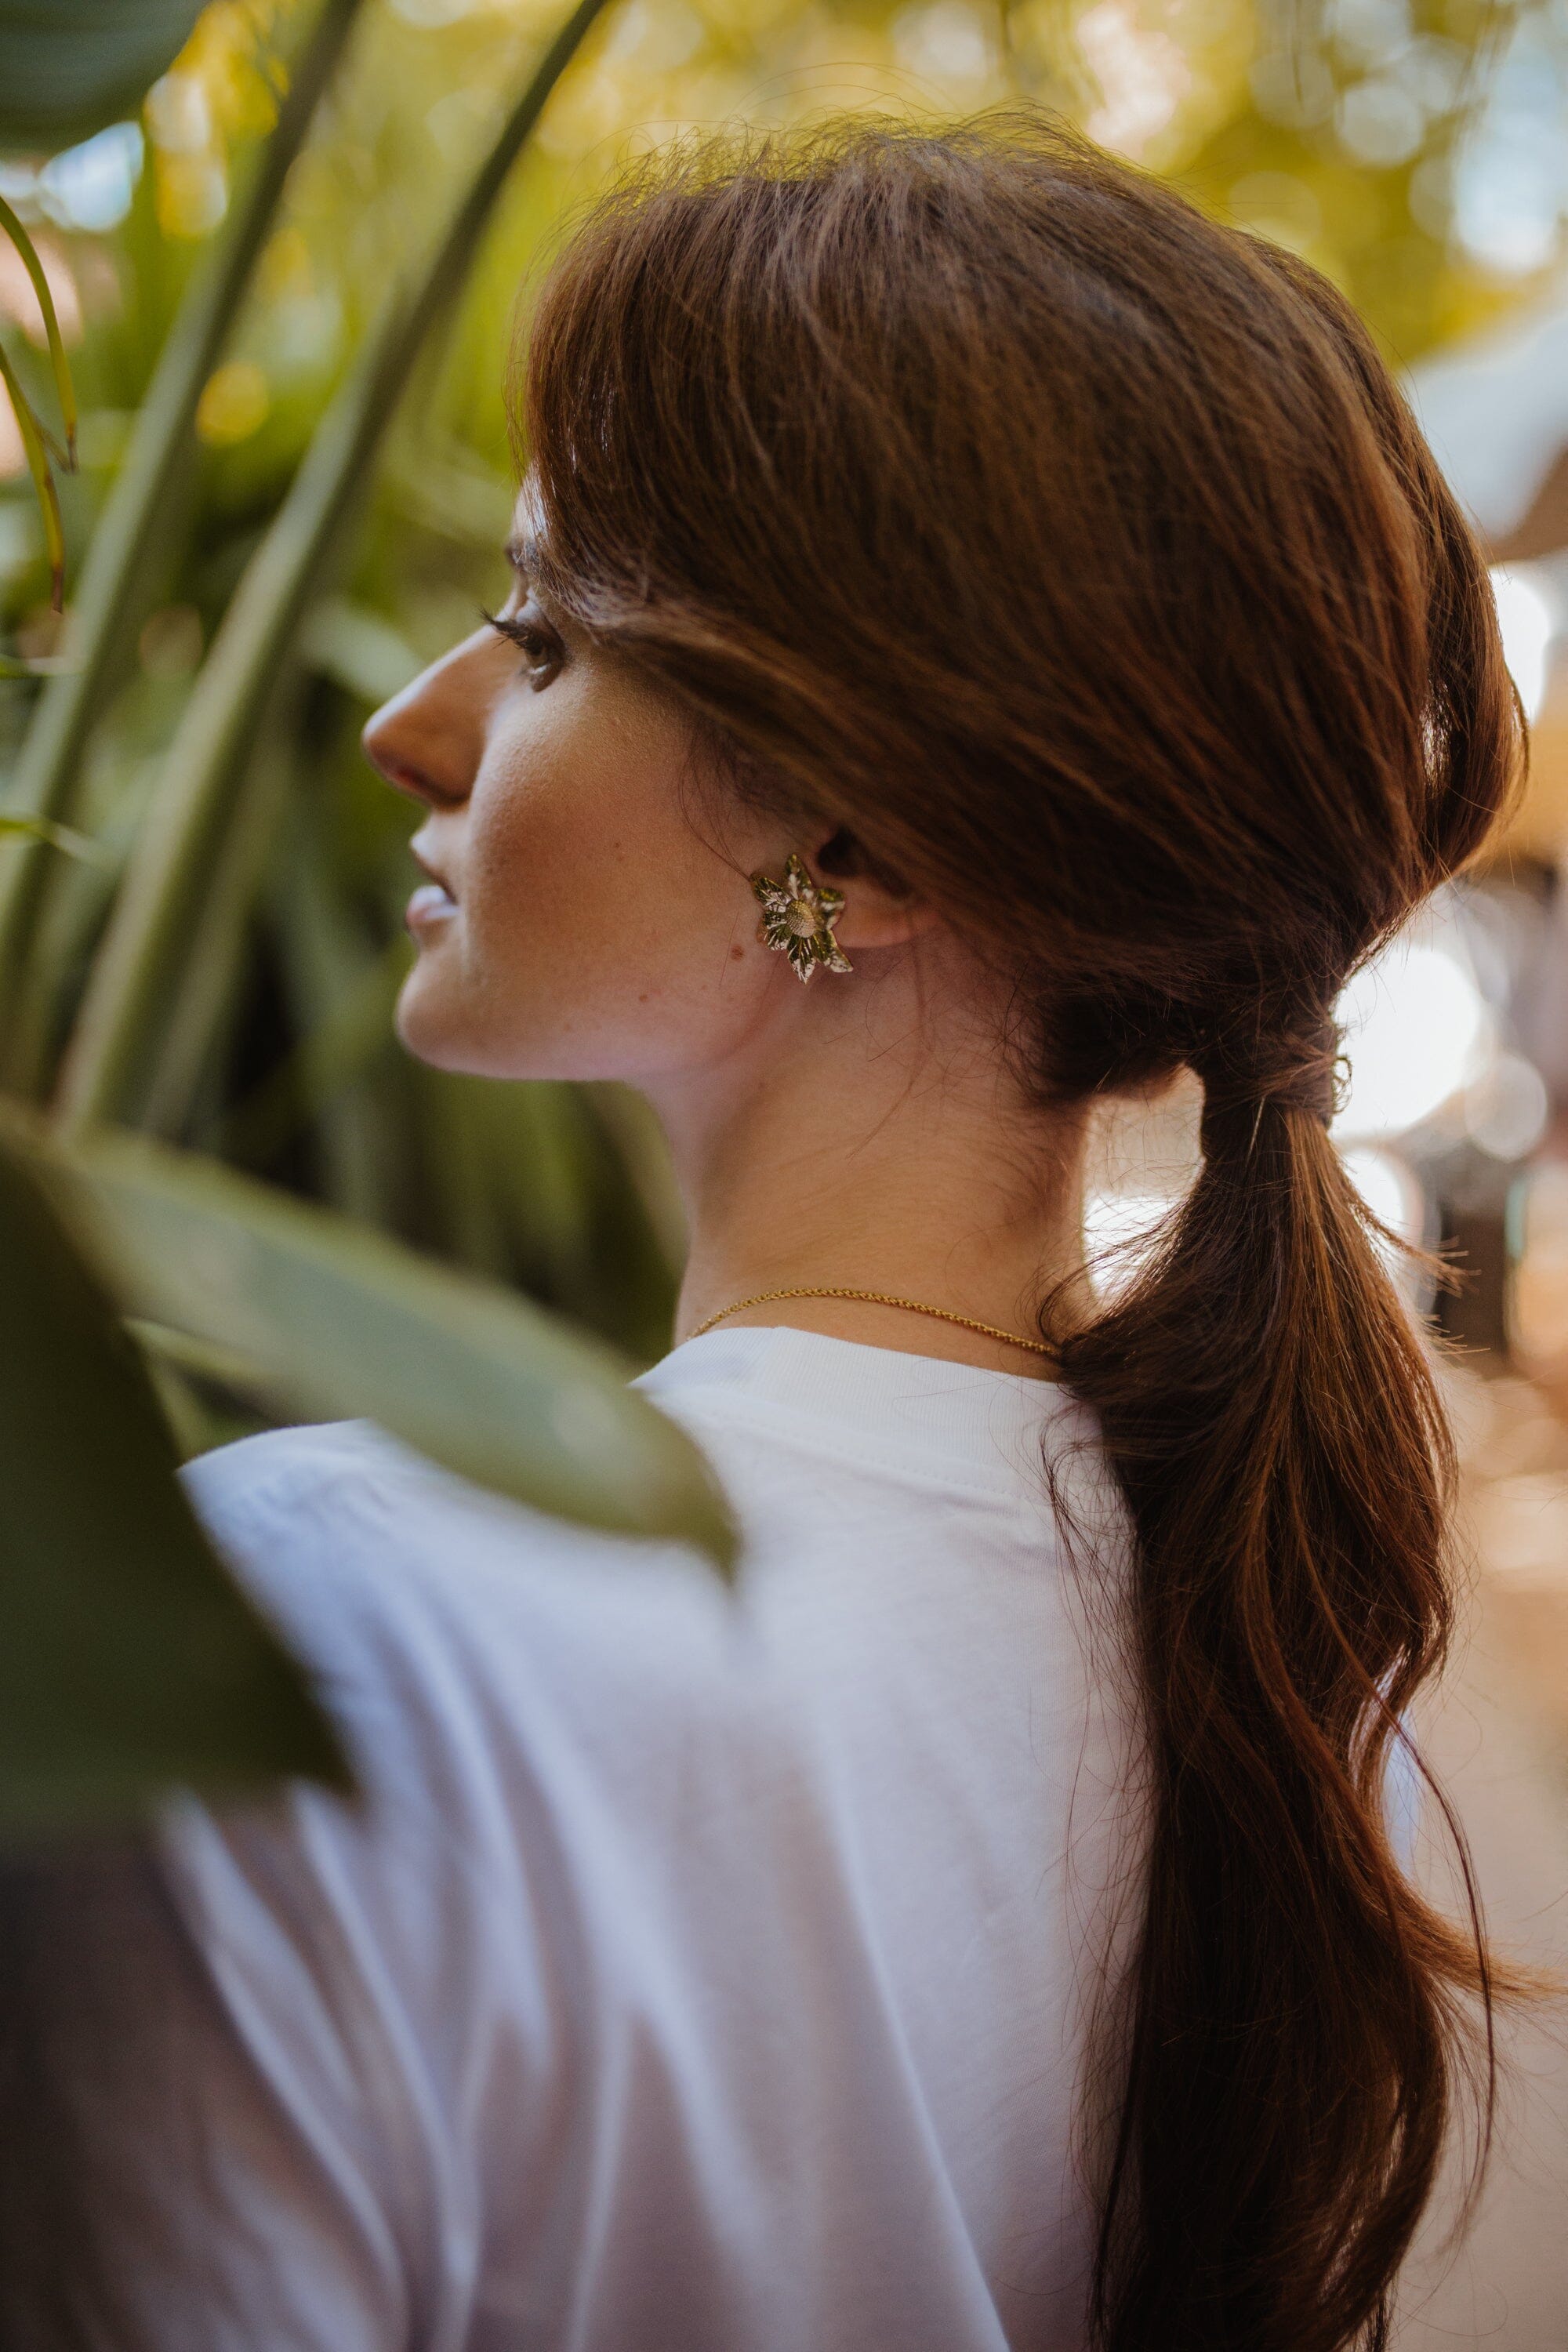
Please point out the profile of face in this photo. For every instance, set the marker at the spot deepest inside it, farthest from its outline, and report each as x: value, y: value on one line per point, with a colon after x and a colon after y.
x: 588, y: 910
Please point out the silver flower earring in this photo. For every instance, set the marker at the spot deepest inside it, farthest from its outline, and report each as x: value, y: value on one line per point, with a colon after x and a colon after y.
x: 798, y: 915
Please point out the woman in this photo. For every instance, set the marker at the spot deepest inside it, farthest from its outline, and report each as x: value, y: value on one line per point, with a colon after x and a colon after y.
x: 955, y: 576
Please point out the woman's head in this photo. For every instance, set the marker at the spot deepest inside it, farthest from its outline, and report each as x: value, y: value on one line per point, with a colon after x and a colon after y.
x: 1006, y: 533
x: 1062, y: 575
x: 1075, y: 555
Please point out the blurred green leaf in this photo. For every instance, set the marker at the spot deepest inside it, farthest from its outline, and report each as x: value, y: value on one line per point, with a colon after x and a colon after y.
x: 329, y: 964
x: 69, y: 67
x: 358, y: 649
x: 58, y: 837
x: 326, y: 1058
x: 129, y: 1661
x: 225, y: 1367
x: 334, y: 1319
x: 115, y: 586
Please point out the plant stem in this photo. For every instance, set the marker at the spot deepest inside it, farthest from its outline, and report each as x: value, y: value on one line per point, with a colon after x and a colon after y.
x: 64, y: 390
x: 37, y: 457
x: 109, y: 606
x: 137, y: 967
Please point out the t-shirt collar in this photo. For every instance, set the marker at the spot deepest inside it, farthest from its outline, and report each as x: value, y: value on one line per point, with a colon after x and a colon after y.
x: 923, y: 1403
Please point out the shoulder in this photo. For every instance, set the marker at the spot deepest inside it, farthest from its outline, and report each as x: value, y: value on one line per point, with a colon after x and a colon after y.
x: 503, y: 1682
x: 340, y: 1515
x: 425, y: 1607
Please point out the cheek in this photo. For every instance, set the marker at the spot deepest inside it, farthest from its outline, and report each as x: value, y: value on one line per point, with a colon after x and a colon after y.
x: 599, y: 935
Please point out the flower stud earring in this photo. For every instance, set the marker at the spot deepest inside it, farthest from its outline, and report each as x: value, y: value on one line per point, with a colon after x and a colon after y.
x: 798, y: 915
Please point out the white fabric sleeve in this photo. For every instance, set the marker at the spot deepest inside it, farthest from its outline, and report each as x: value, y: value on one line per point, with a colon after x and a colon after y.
x: 333, y: 2207
x: 343, y: 1942
x: 269, y: 2221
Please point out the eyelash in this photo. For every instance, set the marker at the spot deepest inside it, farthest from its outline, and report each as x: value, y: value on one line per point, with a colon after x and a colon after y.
x: 543, y: 650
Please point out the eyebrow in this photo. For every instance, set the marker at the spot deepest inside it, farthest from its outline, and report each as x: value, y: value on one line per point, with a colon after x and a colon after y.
x: 522, y: 554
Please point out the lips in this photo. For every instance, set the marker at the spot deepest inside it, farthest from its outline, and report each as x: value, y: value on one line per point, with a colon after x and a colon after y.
x: 431, y: 903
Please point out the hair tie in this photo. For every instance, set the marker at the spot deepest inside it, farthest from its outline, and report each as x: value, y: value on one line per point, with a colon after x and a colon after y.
x: 1294, y: 1069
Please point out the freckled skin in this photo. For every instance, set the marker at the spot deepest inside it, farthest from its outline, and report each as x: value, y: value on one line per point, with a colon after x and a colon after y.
x: 602, y: 904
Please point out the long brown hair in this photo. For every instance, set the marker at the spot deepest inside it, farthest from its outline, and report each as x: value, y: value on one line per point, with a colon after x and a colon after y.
x: 1077, y: 556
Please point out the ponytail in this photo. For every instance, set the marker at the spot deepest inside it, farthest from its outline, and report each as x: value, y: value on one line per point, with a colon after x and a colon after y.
x: 1270, y: 1411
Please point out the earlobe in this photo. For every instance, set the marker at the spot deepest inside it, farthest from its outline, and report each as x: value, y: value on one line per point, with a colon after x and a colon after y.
x: 872, y: 920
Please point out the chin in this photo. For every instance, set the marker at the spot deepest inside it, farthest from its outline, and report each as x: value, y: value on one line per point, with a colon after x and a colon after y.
x: 439, y: 1035
x: 432, y: 1032
x: 552, y: 1037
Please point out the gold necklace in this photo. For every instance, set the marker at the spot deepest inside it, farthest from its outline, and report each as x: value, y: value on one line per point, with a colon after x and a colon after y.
x: 878, y: 1298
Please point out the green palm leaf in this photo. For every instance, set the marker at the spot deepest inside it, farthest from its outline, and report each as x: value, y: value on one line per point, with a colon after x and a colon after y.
x: 131, y: 1664
x: 334, y: 1319
x: 69, y: 67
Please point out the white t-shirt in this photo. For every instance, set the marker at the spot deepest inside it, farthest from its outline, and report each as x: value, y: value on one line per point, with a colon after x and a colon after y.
x: 704, y: 1970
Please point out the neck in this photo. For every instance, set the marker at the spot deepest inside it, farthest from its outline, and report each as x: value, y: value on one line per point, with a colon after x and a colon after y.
x: 853, y: 1147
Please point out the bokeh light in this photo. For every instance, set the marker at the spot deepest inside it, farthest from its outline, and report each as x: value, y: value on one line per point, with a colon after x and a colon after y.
x: 1417, y: 1030
x: 1396, y: 1197
x: 1508, y: 1109
x: 1528, y: 614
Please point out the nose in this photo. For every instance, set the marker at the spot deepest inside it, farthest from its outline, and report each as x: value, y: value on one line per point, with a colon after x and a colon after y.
x: 426, y: 742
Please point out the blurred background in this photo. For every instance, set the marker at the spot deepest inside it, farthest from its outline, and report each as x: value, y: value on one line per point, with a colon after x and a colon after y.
x: 1415, y: 150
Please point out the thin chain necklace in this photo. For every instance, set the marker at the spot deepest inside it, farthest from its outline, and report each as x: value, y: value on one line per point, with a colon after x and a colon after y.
x: 878, y: 1298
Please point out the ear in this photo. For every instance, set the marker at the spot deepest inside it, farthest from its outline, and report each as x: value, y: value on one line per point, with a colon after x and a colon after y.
x: 880, y: 909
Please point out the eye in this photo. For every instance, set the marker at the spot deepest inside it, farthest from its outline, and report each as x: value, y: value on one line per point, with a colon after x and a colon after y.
x: 541, y: 650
